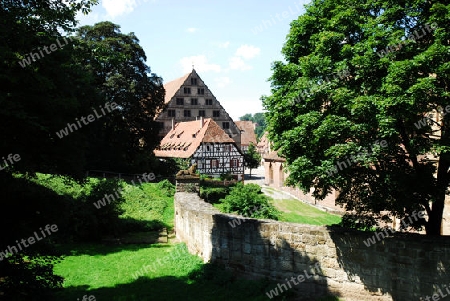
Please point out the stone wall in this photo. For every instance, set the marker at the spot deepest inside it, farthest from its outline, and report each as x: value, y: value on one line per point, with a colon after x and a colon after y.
x: 400, y: 267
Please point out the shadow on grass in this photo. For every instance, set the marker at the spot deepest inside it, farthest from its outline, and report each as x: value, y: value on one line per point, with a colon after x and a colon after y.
x: 210, y: 282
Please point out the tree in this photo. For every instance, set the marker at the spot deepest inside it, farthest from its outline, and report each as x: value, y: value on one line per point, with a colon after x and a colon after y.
x: 252, y: 158
x: 124, y: 138
x: 41, y: 89
x: 338, y: 94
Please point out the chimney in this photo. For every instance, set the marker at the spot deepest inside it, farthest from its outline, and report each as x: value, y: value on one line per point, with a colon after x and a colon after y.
x: 172, y: 124
x: 201, y: 121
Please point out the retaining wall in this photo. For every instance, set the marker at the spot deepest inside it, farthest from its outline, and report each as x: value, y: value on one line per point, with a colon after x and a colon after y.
x: 399, y: 267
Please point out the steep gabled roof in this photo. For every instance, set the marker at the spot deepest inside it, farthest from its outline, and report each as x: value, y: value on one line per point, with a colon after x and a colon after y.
x: 185, y: 138
x: 173, y: 86
x: 247, y: 132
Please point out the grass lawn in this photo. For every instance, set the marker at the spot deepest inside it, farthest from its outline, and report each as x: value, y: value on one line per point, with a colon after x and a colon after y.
x: 295, y: 211
x: 116, y: 273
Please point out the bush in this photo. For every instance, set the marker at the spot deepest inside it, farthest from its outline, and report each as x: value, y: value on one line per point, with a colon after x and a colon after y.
x: 213, y: 195
x: 248, y: 200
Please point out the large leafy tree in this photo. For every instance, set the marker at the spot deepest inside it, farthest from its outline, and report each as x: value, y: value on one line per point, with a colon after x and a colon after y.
x: 35, y: 98
x: 124, y: 138
x: 38, y: 96
x: 336, y: 94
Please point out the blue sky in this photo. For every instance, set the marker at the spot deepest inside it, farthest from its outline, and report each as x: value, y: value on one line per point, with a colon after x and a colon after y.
x: 232, y: 44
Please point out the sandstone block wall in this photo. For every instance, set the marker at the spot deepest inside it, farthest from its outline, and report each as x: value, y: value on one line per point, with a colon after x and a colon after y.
x: 400, y: 267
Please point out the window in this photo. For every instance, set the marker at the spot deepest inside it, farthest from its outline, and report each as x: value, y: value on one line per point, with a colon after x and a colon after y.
x: 201, y: 113
x: 208, y: 102
x: 194, y: 101
x: 187, y: 90
x: 187, y: 113
x: 216, y: 113
x: 215, y: 163
x: 225, y: 125
x: 234, y: 162
x: 180, y: 101
x: 193, y: 81
x: 200, y: 91
x: 171, y: 113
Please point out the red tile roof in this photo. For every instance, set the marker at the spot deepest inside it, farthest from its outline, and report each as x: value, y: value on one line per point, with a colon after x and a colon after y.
x: 185, y: 138
x: 247, y: 132
x: 273, y: 156
x: 173, y: 86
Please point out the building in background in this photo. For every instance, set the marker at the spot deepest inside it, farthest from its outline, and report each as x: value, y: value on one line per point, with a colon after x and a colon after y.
x: 205, y: 143
x: 188, y: 98
x: 248, y: 135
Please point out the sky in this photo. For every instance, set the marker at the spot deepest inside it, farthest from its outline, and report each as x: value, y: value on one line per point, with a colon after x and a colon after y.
x: 232, y: 44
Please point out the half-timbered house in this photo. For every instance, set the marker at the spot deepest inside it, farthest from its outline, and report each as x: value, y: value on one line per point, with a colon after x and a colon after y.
x: 205, y: 143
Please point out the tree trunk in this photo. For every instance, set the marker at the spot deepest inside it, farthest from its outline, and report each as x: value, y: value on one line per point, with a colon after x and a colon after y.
x: 434, y: 224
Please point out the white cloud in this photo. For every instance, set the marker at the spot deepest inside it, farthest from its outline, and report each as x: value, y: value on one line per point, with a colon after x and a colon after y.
x: 116, y: 8
x: 222, y: 82
x: 200, y: 63
x: 237, y: 63
x: 224, y: 44
x: 247, y: 51
x: 191, y: 29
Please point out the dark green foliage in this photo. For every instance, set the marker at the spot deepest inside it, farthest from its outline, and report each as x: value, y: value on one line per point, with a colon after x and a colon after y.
x: 213, y: 194
x: 333, y: 96
x: 248, y: 200
x: 115, y: 62
x: 168, y: 187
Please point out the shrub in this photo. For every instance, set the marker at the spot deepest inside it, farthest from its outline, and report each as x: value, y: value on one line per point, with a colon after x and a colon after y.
x: 248, y: 200
x: 213, y: 194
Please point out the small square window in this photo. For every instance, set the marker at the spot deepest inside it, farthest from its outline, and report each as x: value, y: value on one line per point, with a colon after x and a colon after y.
x: 225, y: 125
x: 180, y: 101
x: 216, y: 113
x: 201, y: 113
x: 187, y: 90
x: 193, y: 81
x: 208, y: 102
x: 200, y: 91
x: 171, y: 113
x: 194, y: 101
x: 187, y: 113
